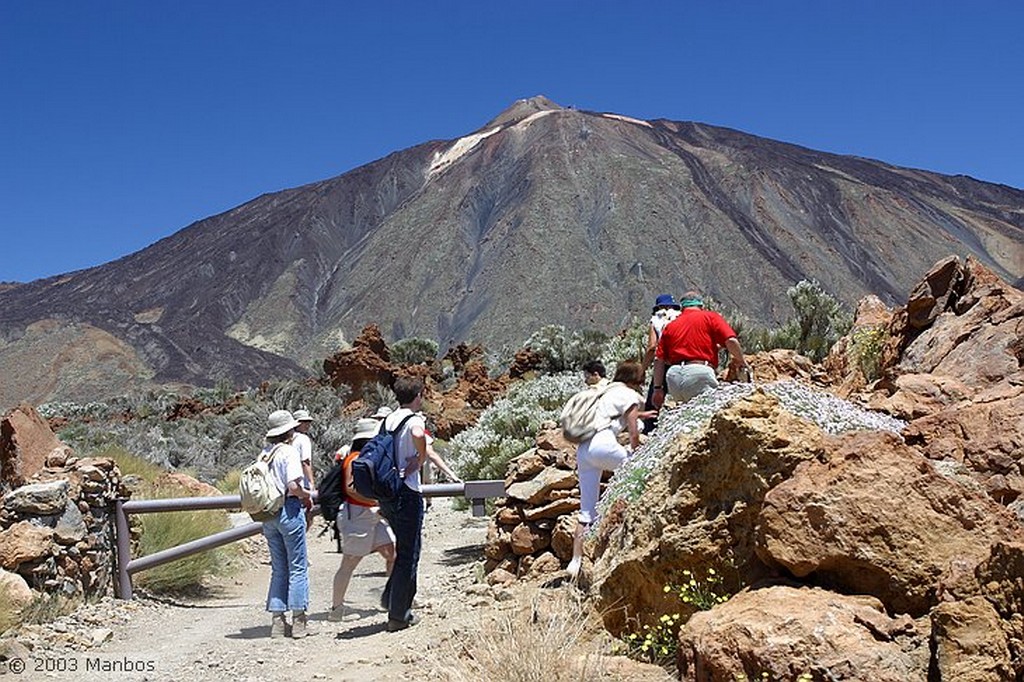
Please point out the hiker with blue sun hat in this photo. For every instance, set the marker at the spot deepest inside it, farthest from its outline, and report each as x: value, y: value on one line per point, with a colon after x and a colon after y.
x: 665, y: 310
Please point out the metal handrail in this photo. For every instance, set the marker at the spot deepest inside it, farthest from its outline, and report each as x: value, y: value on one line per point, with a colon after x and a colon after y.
x: 476, y: 492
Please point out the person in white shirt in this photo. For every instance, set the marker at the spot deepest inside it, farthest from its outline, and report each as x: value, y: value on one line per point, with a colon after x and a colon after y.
x: 405, y: 513
x: 665, y: 310
x: 620, y: 405
x: 304, y: 445
x: 286, y: 532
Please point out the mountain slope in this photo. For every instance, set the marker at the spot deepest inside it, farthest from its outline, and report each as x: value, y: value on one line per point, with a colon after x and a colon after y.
x: 544, y: 215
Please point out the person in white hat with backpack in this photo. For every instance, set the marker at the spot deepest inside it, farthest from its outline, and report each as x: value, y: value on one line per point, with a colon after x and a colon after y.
x: 286, y: 531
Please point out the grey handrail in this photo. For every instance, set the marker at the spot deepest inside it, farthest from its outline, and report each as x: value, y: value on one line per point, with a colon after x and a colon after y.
x: 476, y: 492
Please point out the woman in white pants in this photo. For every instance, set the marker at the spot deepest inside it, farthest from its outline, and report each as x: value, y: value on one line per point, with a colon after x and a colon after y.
x: 620, y: 405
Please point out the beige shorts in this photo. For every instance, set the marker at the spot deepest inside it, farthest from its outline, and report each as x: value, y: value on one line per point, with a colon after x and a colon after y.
x: 362, y: 530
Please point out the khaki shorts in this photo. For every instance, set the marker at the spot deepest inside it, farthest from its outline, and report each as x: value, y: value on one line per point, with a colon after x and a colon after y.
x: 363, y: 530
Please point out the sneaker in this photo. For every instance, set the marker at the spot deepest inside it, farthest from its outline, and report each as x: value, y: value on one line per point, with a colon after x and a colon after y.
x: 396, y: 625
x: 277, y: 624
x: 336, y: 614
x: 299, y: 625
x: 573, y: 569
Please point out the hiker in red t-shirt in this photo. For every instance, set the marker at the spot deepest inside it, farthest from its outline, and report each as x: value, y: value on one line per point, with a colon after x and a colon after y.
x: 687, y: 353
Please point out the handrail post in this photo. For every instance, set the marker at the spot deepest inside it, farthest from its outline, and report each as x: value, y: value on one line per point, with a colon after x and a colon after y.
x: 123, y: 544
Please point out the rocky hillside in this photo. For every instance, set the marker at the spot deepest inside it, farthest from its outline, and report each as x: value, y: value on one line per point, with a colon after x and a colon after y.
x: 892, y: 549
x: 543, y: 215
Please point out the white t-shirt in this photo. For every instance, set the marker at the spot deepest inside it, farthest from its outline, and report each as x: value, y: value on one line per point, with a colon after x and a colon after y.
x: 406, y: 450
x: 661, y: 318
x: 304, y: 446
x: 615, y: 402
x: 285, y: 464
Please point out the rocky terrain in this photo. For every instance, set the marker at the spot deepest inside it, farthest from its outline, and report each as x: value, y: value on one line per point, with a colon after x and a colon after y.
x: 544, y: 215
x: 847, y: 544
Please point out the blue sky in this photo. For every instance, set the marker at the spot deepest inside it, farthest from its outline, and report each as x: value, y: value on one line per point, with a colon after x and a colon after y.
x: 123, y: 122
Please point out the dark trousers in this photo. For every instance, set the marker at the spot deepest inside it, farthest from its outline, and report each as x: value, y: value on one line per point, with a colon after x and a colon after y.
x: 651, y: 423
x: 405, y: 515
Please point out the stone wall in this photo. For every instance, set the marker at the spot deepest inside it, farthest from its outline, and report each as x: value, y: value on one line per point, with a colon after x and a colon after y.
x: 532, y: 528
x: 56, y: 512
x: 56, y: 532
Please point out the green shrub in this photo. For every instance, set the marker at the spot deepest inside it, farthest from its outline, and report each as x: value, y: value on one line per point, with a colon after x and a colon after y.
x: 820, y: 319
x: 563, y: 350
x: 630, y: 344
x: 509, y: 426
x: 413, y: 351
x: 865, y: 350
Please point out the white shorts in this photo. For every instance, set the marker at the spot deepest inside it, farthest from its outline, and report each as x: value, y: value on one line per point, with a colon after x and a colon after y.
x: 362, y: 529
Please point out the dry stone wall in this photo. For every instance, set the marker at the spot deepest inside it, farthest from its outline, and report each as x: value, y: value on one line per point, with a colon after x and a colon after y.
x: 56, y: 532
x: 56, y: 513
x: 532, y: 528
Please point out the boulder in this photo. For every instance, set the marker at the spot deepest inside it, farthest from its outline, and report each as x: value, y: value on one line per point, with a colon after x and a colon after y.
x: 699, y: 509
x: 184, y: 485
x: 25, y: 442
x: 536, y: 490
x: 15, y: 590
x: 970, y: 645
x: 986, y: 435
x: 782, y: 632
x: 24, y: 542
x: 876, y: 517
x: 70, y: 526
x: 38, y: 498
x: 366, y: 363
x: 962, y: 321
x: 528, y: 538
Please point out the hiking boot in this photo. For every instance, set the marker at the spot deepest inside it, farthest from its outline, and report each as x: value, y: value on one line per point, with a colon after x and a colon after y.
x: 298, y: 624
x: 396, y: 625
x: 277, y: 626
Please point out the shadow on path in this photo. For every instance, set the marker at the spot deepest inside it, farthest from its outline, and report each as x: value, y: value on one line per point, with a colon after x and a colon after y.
x: 456, y: 556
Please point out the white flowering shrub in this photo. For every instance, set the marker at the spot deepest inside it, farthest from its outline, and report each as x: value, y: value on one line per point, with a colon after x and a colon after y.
x: 209, y: 444
x: 563, y: 350
x: 508, y: 427
x: 833, y: 415
x: 630, y: 344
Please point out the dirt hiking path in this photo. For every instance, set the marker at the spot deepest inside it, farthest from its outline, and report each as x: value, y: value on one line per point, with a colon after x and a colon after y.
x: 226, y: 636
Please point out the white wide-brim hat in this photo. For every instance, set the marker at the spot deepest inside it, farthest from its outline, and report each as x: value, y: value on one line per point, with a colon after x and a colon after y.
x: 366, y: 428
x: 302, y: 416
x: 280, y: 421
x: 382, y: 412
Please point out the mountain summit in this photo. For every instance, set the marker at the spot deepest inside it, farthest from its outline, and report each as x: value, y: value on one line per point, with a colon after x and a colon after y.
x: 544, y: 215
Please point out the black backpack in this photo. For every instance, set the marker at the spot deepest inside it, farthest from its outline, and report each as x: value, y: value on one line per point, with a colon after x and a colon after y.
x: 331, y: 491
x: 375, y: 471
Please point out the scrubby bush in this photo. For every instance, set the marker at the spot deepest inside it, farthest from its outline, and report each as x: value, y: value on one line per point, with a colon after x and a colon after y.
x: 820, y: 321
x: 630, y: 344
x: 563, y: 350
x: 509, y: 426
x: 211, y: 443
x: 865, y: 351
x: 820, y: 318
x: 413, y: 351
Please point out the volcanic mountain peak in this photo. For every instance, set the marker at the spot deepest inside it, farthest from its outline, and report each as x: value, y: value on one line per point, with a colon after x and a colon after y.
x: 546, y: 215
x: 523, y: 108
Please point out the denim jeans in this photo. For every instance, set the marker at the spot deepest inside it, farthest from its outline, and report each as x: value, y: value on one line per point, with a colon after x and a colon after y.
x: 289, y: 572
x: 405, y: 515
